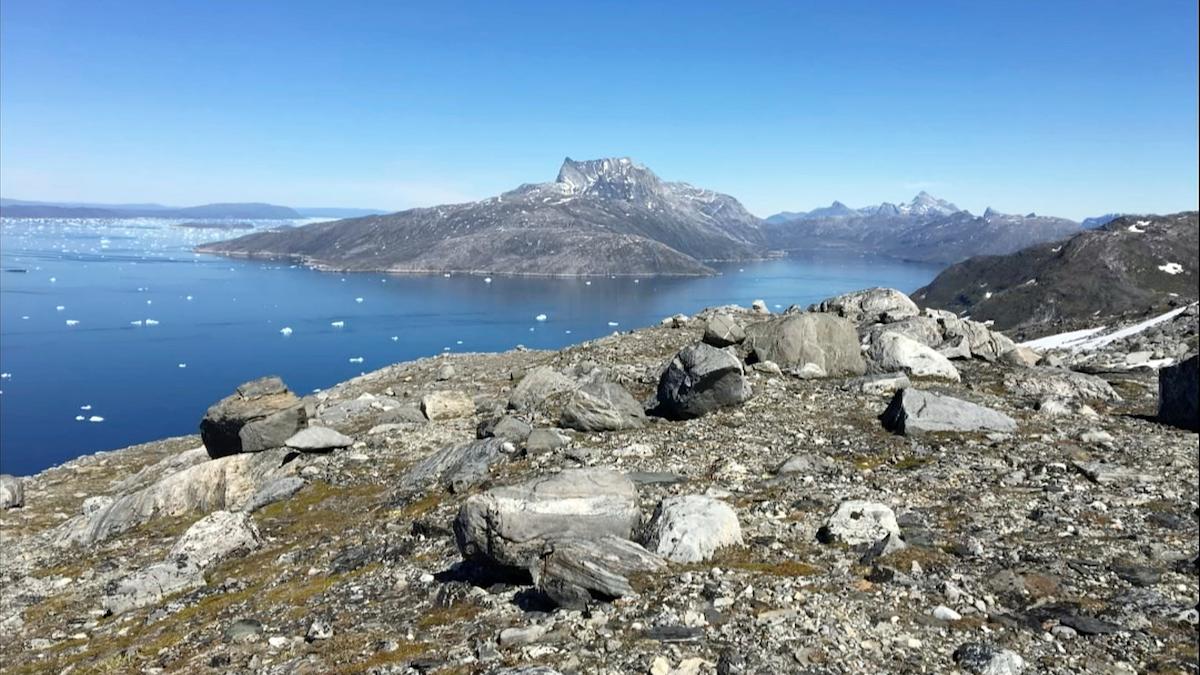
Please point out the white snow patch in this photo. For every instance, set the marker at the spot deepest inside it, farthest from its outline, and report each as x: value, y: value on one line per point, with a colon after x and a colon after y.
x: 1091, y: 338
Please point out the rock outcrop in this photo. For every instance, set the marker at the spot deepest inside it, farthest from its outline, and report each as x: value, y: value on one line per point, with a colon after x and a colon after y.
x: 260, y: 415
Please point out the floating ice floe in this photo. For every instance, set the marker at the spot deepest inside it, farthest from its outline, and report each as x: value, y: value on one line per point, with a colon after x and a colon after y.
x: 637, y: 281
x: 613, y: 323
x: 87, y: 406
x: 151, y: 322
x: 587, y: 283
x: 337, y: 324
x: 182, y: 365
x: 80, y: 418
x: 59, y: 308
x: 188, y: 297
x: 25, y: 317
x: 540, y: 317
x: 286, y: 330
x: 95, y: 418
x: 395, y: 338
x: 53, y: 279
x: 447, y: 275
x: 5, y: 376
x: 1171, y: 268
x: 72, y: 322
x: 356, y: 359
x: 487, y: 280
x: 137, y: 322
x: 358, y: 300
x: 149, y: 302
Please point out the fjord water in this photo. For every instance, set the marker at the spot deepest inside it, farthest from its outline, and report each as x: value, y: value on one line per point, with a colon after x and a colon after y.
x: 208, y: 324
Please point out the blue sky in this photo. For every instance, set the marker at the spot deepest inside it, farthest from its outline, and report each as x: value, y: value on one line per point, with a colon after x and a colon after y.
x: 1065, y: 108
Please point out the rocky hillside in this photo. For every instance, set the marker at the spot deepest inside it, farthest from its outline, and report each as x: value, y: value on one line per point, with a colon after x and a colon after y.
x: 1129, y: 265
x: 600, y: 217
x: 927, y: 229
x: 856, y: 487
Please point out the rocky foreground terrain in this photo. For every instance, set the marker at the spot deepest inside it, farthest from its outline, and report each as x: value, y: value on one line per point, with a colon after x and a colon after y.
x: 858, y: 487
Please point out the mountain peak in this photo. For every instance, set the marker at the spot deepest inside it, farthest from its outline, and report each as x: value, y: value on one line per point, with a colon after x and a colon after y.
x: 618, y: 177
x: 925, y: 204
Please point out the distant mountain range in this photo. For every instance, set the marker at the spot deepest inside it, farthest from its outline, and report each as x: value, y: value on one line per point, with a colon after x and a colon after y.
x: 598, y: 217
x: 1127, y: 265
x: 17, y: 208
x: 926, y: 229
x: 604, y: 216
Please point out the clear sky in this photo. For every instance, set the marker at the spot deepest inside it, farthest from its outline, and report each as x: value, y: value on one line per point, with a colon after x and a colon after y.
x: 1064, y: 108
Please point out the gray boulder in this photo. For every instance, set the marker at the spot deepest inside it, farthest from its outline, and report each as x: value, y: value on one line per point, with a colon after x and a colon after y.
x: 216, y: 536
x: 509, y: 525
x: 570, y: 569
x: 12, y: 492
x: 1065, y: 385
x: 873, y: 305
x: 923, y: 329
x: 690, y: 528
x: 983, y: 659
x: 913, y: 411
x: 447, y: 404
x: 318, y: 439
x: 538, y: 385
x: 860, y: 522
x: 881, y: 383
x: 827, y: 341
x: 457, y: 467
x: 1177, y: 394
x: 983, y: 342
x: 505, y: 427
x: 722, y: 330
x: 895, y: 351
x: 150, y: 585
x: 261, y: 414
x: 602, y: 406
x: 546, y: 440
x: 700, y: 379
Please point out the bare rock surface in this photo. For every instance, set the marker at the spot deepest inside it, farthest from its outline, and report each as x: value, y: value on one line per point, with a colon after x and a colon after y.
x: 602, y: 406
x: 913, y: 411
x: 873, y: 305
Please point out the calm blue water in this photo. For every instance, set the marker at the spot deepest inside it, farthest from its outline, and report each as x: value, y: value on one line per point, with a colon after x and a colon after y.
x: 222, y: 320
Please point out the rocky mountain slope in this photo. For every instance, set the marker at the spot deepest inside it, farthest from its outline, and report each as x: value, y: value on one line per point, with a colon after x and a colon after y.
x: 1131, y: 264
x: 727, y: 493
x: 599, y: 217
x: 927, y: 229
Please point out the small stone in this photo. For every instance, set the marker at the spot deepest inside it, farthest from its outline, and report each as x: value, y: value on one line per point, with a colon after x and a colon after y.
x: 944, y: 613
x: 517, y: 637
x: 319, y: 630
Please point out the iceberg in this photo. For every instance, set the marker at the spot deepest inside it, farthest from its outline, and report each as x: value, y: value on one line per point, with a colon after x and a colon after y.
x: 285, y: 331
x: 540, y: 317
x: 337, y: 324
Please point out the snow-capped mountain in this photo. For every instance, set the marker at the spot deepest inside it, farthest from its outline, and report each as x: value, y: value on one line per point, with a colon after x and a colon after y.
x: 925, y: 229
x: 598, y: 217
